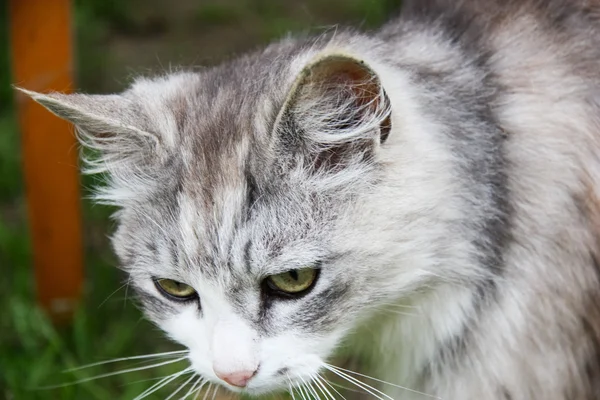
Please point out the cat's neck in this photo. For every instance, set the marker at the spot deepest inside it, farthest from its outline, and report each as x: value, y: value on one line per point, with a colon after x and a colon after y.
x: 406, y: 339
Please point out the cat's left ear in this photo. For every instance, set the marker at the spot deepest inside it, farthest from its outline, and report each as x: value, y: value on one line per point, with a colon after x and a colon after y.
x: 99, y: 115
x: 337, y: 110
x: 113, y: 125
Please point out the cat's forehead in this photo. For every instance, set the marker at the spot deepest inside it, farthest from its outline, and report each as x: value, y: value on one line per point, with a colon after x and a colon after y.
x: 234, y: 234
x: 215, y: 123
x: 235, y: 196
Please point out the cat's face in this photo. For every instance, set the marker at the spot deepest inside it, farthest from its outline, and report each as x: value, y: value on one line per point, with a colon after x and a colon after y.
x: 263, y: 296
x: 235, y: 256
x: 246, y: 221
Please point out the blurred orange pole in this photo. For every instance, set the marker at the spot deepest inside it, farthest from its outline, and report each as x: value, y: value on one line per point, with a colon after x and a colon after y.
x: 42, y: 61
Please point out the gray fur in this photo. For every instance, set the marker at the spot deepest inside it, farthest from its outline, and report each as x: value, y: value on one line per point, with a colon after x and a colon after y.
x: 482, y: 208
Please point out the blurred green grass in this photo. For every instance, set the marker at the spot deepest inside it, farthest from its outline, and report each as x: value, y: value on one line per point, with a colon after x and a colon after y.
x: 33, y: 352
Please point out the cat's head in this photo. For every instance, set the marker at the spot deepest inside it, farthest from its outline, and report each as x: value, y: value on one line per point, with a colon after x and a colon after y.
x: 252, y: 217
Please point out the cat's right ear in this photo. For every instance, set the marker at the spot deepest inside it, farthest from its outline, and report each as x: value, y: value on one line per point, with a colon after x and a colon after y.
x: 109, y: 124
x: 337, y: 112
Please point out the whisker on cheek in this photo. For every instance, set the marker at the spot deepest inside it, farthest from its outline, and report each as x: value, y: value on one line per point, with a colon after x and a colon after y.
x: 207, y: 391
x: 215, y: 392
x: 312, y: 389
x: 307, y: 387
x: 162, y: 383
x: 320, y: 386
x: 290, y: 388
x: 322, y: 381
x: 200, y: 384
x: 342, y: 372
x: 106, y: 375
x: 144, y: 356
x: 181, y: 387
x: 369, y: 389
x: 330, y: 384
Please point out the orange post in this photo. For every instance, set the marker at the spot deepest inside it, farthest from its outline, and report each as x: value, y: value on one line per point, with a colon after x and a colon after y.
x: 42, y: 61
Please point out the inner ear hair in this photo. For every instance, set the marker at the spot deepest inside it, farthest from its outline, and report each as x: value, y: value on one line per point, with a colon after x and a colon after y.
x: 351, y: 83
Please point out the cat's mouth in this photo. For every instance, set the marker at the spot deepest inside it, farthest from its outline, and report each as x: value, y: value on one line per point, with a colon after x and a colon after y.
x: 254, y: 389
x: 261, y: 385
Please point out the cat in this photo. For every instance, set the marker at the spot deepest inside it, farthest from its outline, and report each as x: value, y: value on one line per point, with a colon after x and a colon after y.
x: 424, y: 197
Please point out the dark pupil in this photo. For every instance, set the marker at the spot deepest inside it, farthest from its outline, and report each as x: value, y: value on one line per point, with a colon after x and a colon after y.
x: 294, y: 274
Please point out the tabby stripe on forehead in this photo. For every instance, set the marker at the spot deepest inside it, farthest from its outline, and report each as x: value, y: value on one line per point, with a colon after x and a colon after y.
x: 251, y: 189
x: 174, y: 252
x: 596, y: 265
x: 247, y: 262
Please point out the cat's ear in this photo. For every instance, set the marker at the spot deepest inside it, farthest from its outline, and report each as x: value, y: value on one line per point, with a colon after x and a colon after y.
x: 339, y: 109
x: 117, y: 131
x: 109, y: 124
x: 102, y: 115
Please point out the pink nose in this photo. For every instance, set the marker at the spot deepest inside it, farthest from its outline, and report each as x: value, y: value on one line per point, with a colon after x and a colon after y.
x: 238, y: 378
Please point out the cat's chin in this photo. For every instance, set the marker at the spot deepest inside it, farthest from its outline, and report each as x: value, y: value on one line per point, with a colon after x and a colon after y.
x: 254, y: 391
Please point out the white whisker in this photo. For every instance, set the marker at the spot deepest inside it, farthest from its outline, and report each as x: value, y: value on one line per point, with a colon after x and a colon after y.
x: 309, y: 387
x: 302, y: 392
x: 162, y: 383
x: 210, y: 385
x: 312, y: 389
x: 306, y: 392
x: 328, y: 366
x: 193, y: 388
x: 367, y: 388
x: 199, y: 390
x: 322, y: 388
x: 114, y: 360
x: 298, y: 389
x: 290, y: 388
x: 158, y: 378
x: 112, y: 294
x: 331, y: 385
x: 127, y: 283
x: 298, y: 392
x: 215, y: 392
x: 166, y: 379
x: 125, y: 371
x: 142, y: 363
x: 343, y: 387
x: 181, y: 387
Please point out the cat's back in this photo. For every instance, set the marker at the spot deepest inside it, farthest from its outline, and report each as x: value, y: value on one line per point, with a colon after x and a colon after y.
x: 534, y: 63
x: 533, y: 66
x: 538, y: 62
x: 570, y: 29
x: 561, y: 14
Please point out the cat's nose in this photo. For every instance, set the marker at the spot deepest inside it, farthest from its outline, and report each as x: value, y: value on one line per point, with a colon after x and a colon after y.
x: 237, y: 378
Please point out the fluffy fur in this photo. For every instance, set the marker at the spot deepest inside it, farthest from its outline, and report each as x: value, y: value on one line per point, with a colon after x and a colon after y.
x: 447, y: 162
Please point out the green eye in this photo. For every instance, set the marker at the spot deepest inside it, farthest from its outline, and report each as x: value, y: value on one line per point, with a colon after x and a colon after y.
x: 174, y: 289
x: 294, y: 281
